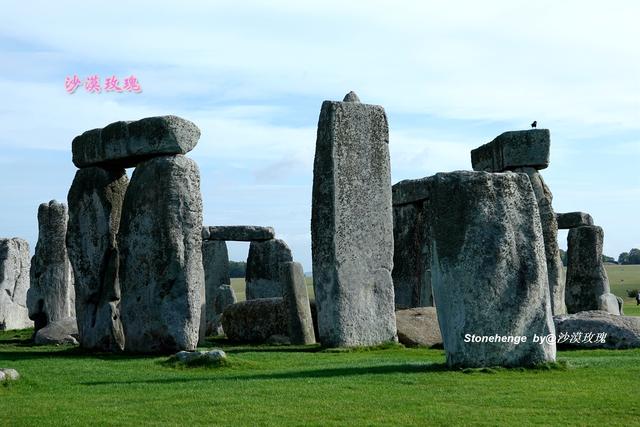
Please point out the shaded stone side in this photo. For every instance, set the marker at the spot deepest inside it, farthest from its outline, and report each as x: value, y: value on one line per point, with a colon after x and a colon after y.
x: 215, y: 259
x: 254, y: 321
x: 586, y: 277
x: 296, y: 300
x: 263, y: 276
x: 411, y: 256
x: 95, y: 207
x: 161, y: 271
x: 51, y: 295
x: 488, y: 268
x: 573, y: 219
x: 239, y: 233
x: 514, y: 149
x: 352, y: 226
x: 14, y: 284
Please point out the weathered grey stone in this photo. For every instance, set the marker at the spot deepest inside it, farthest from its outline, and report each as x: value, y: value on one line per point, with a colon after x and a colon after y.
x: 411, y: 256
x: 14, y: 284
x: 513, y: 150
x: 240, y: 233
x: 586, y: 277
x: 620, y: 305
x: 205, y: 233
x: 51, y: 296
x: 351, y: 97
x: 488, y: 268
x: 352, y: 226
x: 410, y: 191
x: 418, y: 327
x: 255, y: 320
x: 61, y: 331
x: 95, y: 206
x: 160, y: 242
x: 9, y: 374
x: 573, y: 220
x: 609, y: 303
x: 263, y: 278
x: 621, y: 331
x: 216, y: 278
x: 125, y: 144
x: 555, y: 269
x: 296, y: 299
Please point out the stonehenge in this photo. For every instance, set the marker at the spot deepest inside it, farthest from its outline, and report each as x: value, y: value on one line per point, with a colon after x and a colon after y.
x: 488, y: 268
x: 51, y: 294
x: 14, y: 284
x: 352, y: 225
x: 296, y: 301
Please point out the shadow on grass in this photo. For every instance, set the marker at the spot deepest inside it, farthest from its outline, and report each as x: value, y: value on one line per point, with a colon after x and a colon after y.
x: 48, y: 352
x: 292, y: 375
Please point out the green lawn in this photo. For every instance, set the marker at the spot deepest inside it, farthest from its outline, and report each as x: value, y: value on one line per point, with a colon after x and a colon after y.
x: 238, y: 286
x: 622, y: 278
x: 308, y: 386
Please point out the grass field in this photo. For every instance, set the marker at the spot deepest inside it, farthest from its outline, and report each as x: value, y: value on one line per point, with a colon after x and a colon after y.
x: 310, y: 386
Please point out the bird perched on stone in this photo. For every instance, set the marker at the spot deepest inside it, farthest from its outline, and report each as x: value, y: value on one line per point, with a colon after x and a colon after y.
x: 534, y: 124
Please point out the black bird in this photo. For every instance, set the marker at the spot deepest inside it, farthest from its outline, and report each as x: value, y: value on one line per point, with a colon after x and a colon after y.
x: 534, y: 124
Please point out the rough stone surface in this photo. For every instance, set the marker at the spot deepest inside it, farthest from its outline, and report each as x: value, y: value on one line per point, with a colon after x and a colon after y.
x: 586, y: 277
x: 14, y: 284
x: 95, y: 206
x: 410, y: 191
x: 352, y: 226
x: 51, y: 295
x: 263, y: 275
x: 8, y: 374
x: 296, y: 299
x: 160, y: 242
x: 621, y: 331
x: 125, y: 144
x: 620, y: 305
x: 411, y: 256
x: 418, y: 327
x: 254, y: 321
x: 573, y: 220
x: 555, y: 268
x: 187, y: 357
x: 609, y: 303
x: 513, y: 150
x: 240, y: 233
x: 62, y: 331
x: 219, y: 294
x: 488, y: 268
x: 351, y: 97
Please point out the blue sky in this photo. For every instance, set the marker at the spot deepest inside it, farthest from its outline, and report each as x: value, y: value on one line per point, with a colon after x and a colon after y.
x: 451, y: 76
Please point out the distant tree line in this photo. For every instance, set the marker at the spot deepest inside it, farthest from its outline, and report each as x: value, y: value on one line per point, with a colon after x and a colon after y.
x: 626, y: 258
x: 237, y: 269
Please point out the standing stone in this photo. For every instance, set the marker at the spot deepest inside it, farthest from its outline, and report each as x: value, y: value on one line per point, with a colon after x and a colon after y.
x: 296, y: 300
x: 14, y: 284
x: 412, y: 245
x: 263, y: 268
x: 488, y: 268
x: 160, y: 241
x: 555, y: 269
x: 352, y: 225
x: 223, y: 297
x: 51, y: 296
x: 215, y: 259
x: 587, y: 279
x: 95, y: 205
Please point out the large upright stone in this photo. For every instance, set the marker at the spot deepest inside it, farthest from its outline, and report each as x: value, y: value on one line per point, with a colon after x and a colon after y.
x: 488, y: 269
x: 14, y: 284
x: 412, y: 245
x: 215, y: 259
x: 51, y: 296
x: 263, y: 275
x: 296, y: 300
x: 223, y: 297
x: 95, y: 206
x: 573, y: 219
x: 352, y: 225
x: 587, y: 279
x: 555, y: 269
x: 125, y: 144
x: 239, y: 233
x: 514, y: 149
x: 160, y: 241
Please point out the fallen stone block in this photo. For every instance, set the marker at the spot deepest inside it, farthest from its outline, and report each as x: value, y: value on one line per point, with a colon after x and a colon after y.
x: 598, y: 329
x: 418, y: 326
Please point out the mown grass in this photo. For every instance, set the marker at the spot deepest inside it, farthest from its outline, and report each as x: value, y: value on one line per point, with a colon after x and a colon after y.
x: 238, y: 285
x: 621, y: 279
x: 263, y: 385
